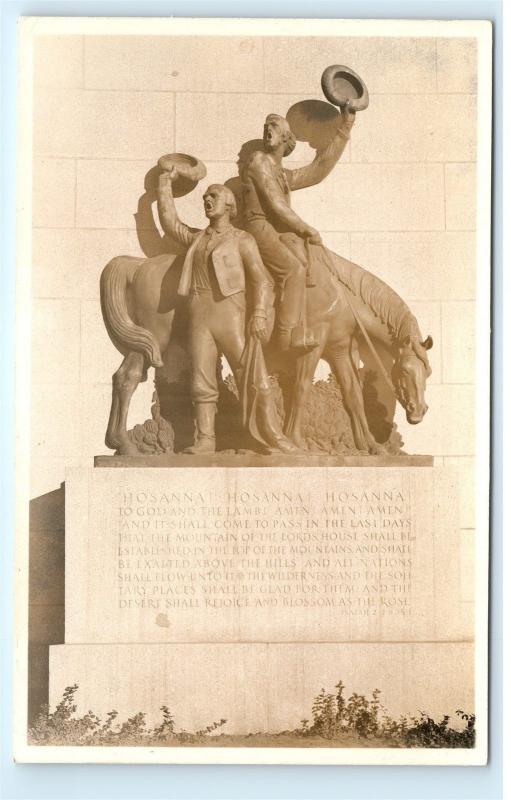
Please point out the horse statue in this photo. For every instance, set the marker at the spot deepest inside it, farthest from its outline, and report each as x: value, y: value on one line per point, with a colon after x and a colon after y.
x: 347, y: 308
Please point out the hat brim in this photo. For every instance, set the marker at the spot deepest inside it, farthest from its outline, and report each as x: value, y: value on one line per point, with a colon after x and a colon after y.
x: 341, y: 85
x: 190, y: 170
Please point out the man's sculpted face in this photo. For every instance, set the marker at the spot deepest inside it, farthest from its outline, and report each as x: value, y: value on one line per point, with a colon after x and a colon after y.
x: 274, y: 134
x: 215, y: 202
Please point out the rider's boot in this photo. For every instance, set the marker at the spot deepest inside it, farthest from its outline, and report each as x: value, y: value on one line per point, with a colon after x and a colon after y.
x: 205, y: 436
x: 290, y: 333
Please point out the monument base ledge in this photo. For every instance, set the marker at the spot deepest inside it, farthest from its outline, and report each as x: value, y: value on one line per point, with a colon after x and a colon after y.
x: 182, y: 460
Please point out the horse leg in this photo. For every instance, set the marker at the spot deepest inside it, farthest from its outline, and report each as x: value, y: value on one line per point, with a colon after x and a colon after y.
x: 305, y: 368
x: 124, y: 383
x: 342, y: 366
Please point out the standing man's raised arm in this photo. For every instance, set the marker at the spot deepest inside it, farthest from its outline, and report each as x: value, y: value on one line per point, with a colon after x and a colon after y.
x: 169, y: 219
x: 325, y: 160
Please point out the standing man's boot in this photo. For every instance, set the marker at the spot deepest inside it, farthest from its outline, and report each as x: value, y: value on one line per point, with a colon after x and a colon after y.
x: 205, y: 429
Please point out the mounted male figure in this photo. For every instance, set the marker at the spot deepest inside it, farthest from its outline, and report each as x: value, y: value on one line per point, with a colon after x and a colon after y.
x: 279, y: 231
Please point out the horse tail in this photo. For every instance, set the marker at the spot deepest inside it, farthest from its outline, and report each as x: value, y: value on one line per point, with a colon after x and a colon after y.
x: 124, y: 333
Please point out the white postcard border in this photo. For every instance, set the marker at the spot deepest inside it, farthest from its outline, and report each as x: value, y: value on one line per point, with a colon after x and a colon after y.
x: 32, y: 26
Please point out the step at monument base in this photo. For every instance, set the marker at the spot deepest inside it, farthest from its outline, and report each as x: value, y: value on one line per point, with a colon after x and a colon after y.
x: 263, y: 687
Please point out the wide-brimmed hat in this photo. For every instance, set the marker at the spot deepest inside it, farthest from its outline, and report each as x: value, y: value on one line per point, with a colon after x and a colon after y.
x: 190, y: 170
x: 341, y: 84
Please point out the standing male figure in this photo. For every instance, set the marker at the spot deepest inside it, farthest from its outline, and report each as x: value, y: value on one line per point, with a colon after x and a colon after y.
x: 280, y: 232
x: 221, y: 263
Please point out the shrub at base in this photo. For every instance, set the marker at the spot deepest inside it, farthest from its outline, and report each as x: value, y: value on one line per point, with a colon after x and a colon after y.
x: 355, y: 722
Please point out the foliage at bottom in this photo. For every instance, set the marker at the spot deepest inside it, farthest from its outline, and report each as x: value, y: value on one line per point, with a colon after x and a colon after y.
x: 336, y: 721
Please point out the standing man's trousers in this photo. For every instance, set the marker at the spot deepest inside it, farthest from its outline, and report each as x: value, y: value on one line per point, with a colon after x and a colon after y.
x: 216, y: 326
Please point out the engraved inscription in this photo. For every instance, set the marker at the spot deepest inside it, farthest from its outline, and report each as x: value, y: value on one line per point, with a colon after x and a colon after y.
x: 352, y: 550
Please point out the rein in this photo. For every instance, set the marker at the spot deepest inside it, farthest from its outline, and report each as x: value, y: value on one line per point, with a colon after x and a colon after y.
x: 333, y: 272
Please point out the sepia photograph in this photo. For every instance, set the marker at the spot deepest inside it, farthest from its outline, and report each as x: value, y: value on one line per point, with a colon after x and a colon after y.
x: 253, y: 349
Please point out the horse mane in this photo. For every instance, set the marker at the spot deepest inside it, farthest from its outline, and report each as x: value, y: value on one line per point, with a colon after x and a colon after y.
x: 383, y: 301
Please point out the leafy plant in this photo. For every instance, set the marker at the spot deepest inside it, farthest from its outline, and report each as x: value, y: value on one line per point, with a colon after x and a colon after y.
x: 62, y: 727
x: 428, y: 733
x: 343, y: 722
x: 335, y: 718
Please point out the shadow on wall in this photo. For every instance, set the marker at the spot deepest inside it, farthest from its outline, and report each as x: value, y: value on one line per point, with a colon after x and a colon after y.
x: 46, y: 591
x: 379, y: 401
x: 151, y: 241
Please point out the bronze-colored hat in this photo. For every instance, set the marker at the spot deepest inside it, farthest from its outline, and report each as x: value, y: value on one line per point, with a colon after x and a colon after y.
x: 190, y: 170
x: 341, y: 84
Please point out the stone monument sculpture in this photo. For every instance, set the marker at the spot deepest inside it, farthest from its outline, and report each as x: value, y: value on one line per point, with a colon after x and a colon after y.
x: 229, y: 592
x: 304, y: 302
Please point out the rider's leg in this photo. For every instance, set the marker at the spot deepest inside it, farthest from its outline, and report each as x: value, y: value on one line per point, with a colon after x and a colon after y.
x: 289, y: 273
x: 291, y: 308
x: 297, y: 246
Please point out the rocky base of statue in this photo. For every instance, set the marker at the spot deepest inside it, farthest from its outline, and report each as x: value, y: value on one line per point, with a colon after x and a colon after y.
x: 326, y: 430
x: 156, y: 435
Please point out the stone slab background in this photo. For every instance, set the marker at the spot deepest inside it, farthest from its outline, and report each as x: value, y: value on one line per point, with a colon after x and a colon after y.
x: 401, y: 203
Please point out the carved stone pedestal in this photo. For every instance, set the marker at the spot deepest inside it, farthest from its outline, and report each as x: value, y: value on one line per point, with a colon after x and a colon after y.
x: 267, y: 584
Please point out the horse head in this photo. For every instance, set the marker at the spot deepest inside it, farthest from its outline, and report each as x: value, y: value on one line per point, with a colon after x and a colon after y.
x: 409, y: 374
